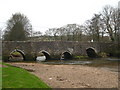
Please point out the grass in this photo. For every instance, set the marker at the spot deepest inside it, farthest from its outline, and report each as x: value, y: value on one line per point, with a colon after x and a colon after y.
x: 81, y: 57
x: 16, y: 53
x: 13, y: 77
x: 0, y: 78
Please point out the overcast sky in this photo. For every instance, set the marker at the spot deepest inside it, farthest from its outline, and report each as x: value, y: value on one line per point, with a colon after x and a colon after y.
x: 45, y: 14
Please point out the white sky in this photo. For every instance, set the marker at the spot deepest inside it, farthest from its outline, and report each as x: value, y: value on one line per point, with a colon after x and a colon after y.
x: 45, y: 14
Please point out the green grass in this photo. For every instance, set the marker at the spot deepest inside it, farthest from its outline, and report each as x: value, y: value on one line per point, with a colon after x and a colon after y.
x: 81, y: 57
x: 13, y: 77
x: 16, y: 53
x: 0, y: 78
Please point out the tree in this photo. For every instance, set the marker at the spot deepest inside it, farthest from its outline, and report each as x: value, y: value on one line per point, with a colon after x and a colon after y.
x: 36, y: 33
x: 109, y: 19
x: 118, y: 25
x: 18, y: 28
x: 96, y: 27
x: 115, y: 18
x: 0, y: 33
x: 73, y: 32
x: 51, y: 33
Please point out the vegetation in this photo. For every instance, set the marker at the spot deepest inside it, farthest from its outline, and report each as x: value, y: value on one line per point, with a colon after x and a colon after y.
x: 16, y: 53
x: 18, y: 28
x: 14, y: 77
x: 0, y: 77
x: 102, y: 54
x: 80, y: 57
x: 102, y: 27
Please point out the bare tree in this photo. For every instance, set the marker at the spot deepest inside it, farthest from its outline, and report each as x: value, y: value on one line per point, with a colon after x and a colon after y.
x: 115, y: 18
x: 108, y: 15
x: 37, y: 33
x: 96, y: 23
x: 72, y: 32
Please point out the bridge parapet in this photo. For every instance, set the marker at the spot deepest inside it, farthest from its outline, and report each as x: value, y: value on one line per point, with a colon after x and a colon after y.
x: 53, y: 47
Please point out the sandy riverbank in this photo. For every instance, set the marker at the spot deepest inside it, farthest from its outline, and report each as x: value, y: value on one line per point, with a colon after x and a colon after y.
x: 72, y: 76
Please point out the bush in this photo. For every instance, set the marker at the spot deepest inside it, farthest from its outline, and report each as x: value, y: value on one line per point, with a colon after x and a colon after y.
x: 115, y: 53
x: 80, y: 57
x: 113, y: 50
x: 102, y: 54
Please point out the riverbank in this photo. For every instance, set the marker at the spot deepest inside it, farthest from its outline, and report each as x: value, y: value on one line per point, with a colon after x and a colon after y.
x: 13, y: 77
x: 72, y: 76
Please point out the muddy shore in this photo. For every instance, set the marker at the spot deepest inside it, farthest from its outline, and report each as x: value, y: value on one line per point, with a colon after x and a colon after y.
x: 72, y: 76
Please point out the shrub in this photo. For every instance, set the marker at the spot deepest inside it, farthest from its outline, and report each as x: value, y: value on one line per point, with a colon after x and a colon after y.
x: 80, y: 57
x: 115, y: 53
x: 102, y: 54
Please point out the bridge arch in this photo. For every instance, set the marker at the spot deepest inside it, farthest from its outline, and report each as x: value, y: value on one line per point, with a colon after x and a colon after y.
x: 17, y: 55
x: 91, y: 52
x: 66, y: 55
x: 46, y: 54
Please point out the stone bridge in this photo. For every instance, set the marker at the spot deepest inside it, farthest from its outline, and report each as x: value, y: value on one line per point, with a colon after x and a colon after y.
x: 53, y: 48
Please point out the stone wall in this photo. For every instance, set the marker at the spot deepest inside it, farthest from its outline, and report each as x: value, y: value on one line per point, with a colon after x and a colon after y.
x: 53, y: 47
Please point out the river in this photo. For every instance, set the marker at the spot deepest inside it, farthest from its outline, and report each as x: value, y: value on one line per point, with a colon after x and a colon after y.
x: 108, y: 63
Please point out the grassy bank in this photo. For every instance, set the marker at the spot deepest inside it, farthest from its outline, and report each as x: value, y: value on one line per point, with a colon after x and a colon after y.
x: 13, y: 77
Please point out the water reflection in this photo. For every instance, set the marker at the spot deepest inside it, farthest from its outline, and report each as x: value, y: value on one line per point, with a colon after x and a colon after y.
x: 40, y: 58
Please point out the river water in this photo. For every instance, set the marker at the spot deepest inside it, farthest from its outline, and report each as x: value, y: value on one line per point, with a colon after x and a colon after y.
x: 108, y: 63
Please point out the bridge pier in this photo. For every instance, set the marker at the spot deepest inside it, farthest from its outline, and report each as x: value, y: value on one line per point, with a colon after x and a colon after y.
x: 54, y: 48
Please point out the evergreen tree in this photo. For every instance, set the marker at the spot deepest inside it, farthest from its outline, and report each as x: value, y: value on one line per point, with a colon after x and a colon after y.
x: 18, y: 28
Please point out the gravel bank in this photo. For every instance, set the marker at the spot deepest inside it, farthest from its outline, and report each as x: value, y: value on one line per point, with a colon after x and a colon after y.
x: 72, y: 76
